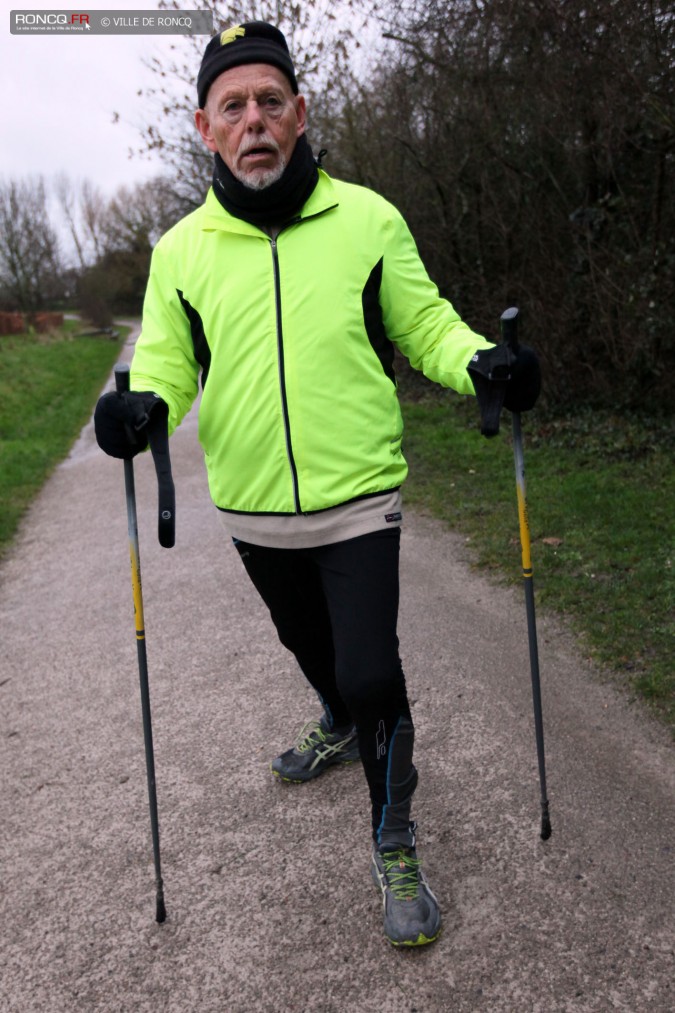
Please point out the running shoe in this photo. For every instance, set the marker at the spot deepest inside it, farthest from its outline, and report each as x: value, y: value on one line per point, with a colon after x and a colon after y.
x: 316, y: 749
x: 411, y: 913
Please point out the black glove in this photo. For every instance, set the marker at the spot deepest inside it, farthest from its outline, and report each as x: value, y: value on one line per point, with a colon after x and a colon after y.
x: 120, y: 421
x: 502, y: 377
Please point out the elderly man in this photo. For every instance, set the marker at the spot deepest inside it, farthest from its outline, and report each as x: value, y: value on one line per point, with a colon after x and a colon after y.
x: 288, y: 292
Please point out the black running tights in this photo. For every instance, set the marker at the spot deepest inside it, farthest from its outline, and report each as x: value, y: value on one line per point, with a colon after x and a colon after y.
x: 335, y: 607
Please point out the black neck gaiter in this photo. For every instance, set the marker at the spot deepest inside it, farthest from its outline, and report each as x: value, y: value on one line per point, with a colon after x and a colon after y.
x: 277, y: 203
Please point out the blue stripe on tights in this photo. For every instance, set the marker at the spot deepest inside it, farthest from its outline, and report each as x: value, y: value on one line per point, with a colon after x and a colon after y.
x: 388, y: 782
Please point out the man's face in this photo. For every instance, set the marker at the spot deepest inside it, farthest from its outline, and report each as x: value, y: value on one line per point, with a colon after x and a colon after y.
x: 253, y: 120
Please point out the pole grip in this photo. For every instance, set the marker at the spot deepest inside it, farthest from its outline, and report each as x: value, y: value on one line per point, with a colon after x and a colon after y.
x: 158, y: 437
x: 122, y: 374
x: 509, y: 328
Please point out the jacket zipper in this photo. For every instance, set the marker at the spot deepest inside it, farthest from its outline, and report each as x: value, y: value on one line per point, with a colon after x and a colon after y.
x: 282, y: 377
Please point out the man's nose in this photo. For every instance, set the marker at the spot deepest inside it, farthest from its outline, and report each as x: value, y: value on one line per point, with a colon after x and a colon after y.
x: 254, y: 119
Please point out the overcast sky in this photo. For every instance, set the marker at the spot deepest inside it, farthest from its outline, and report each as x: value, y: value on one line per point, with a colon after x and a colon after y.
x: 59, y: 95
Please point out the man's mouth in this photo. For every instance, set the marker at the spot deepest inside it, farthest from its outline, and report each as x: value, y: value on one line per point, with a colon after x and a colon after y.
x: 260, y: 152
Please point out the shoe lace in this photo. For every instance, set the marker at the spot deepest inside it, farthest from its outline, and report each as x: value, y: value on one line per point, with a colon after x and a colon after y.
x: 310, y: 736
x: 402, y: 872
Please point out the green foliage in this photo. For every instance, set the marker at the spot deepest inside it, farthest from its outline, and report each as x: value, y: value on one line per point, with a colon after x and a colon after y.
x: 600, y: 501
x: 48, y: 387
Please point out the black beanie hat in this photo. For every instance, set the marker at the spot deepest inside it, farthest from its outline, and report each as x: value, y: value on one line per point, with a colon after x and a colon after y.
x: 252, y: 42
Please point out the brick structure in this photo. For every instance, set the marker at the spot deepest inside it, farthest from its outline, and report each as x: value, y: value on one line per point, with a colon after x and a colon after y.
x: 46, y: 321
x: 12, y: 323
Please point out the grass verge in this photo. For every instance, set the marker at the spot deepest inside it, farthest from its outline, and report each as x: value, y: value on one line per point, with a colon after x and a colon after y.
x: 49, y: 384
x: 600, y: 493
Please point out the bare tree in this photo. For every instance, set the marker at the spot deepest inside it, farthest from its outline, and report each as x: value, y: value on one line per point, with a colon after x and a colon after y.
x: 92, y: 210
x: 83, y: 206
x: 29, y: 255
x: 125, y: 229
x: 66, y: 195
x: 135, y: 217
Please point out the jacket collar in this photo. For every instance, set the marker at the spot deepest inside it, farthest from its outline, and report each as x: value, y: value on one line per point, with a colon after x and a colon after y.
x: 215, y: 217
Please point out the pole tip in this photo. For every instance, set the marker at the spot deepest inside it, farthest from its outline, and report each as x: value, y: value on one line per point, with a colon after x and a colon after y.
x: 161, y: 911
x: 546, y: 829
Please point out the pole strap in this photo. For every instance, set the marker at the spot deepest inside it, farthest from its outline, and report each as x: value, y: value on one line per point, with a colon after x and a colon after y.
x: 158, y: 437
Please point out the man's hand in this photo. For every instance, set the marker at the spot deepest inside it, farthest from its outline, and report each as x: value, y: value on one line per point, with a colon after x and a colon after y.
x: 120, y: 421
x: 502, y: 377
x: 519, y: 372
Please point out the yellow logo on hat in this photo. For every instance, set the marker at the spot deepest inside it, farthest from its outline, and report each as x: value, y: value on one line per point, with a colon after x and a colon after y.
x: 230, y: 34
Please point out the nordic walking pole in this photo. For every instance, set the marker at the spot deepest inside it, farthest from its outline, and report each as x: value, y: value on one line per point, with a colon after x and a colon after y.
x: 509, y: 330
x: 122, y: 384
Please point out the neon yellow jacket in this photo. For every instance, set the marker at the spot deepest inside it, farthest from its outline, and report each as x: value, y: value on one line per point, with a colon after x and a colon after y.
x: 294, y: 339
